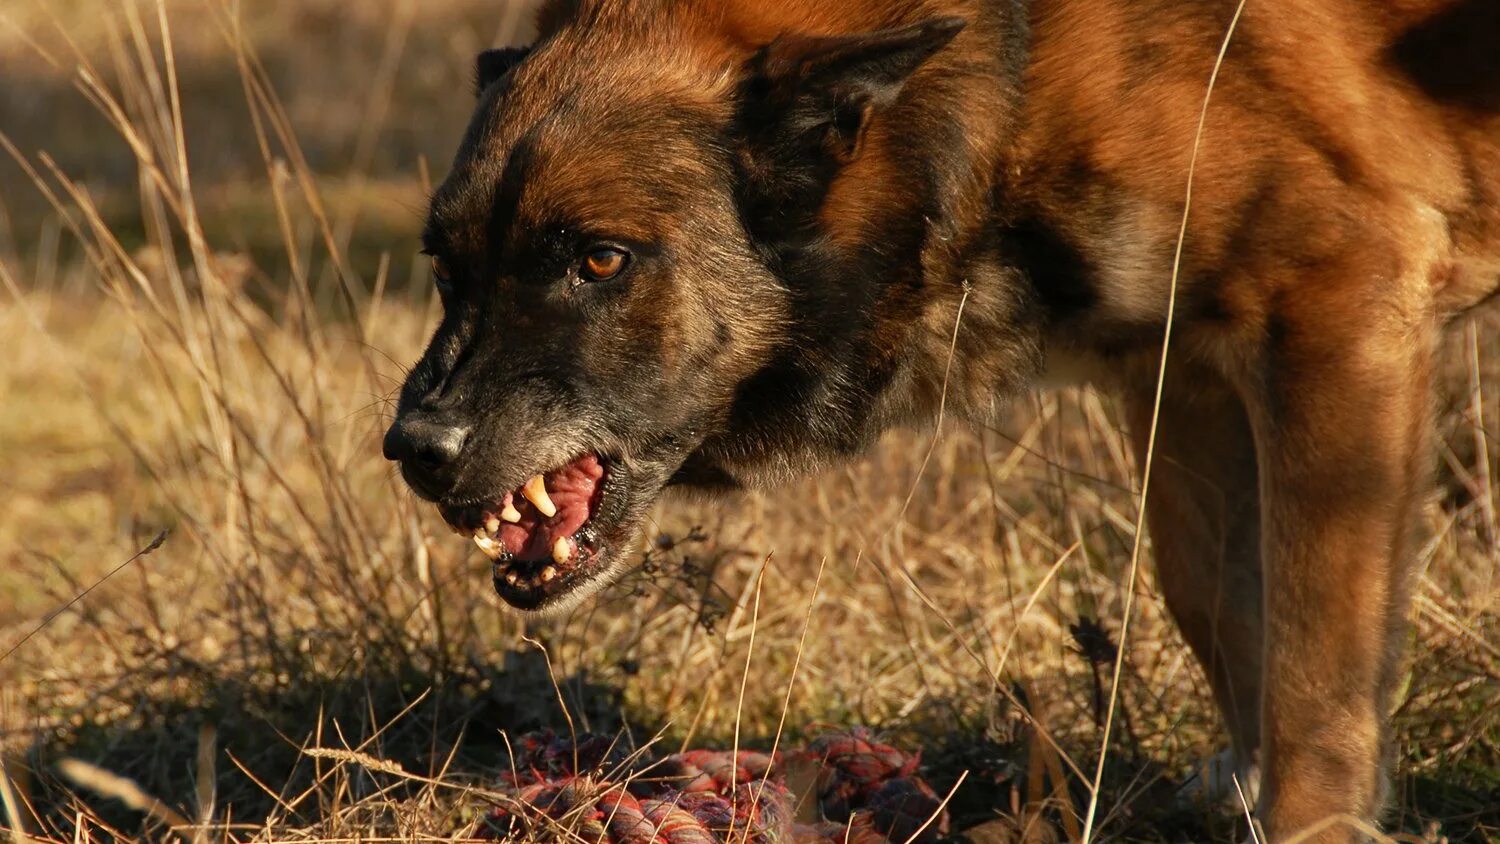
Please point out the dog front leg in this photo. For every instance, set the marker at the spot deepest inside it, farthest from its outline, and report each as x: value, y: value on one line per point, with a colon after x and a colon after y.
x: 1342, y: 426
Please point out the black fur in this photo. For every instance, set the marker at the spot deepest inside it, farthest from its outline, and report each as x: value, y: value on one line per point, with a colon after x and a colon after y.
x: 494, y: 64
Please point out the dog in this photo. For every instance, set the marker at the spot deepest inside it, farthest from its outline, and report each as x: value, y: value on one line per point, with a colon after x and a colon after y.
x: 715, y: 244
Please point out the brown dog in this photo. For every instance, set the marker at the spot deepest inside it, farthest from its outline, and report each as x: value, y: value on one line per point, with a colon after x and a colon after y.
x: 713, y: 243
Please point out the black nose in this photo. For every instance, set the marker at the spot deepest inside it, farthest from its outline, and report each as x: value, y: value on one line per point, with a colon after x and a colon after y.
x: 424, y: 444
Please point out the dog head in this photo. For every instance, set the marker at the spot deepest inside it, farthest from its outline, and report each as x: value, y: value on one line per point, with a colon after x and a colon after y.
x: 673, y: 249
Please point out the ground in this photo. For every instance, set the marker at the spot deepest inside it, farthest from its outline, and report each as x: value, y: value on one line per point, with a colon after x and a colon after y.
x: 210, y: 351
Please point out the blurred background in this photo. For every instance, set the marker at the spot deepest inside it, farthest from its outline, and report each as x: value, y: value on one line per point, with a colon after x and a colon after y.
x: 209, y: 287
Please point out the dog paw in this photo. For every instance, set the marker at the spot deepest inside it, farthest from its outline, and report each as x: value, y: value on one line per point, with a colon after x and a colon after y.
x: 1222, y: 781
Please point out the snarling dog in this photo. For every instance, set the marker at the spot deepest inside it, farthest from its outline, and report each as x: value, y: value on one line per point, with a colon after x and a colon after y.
x: 717, y: 243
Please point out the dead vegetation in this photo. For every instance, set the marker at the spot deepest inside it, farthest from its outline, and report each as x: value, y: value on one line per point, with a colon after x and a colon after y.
x: 308, y: 656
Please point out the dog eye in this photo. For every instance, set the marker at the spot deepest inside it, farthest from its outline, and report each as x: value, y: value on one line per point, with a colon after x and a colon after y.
x: 603, y: 264
x: 442, y: 274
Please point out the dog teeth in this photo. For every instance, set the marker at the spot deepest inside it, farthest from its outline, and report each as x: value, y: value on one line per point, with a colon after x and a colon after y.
x: 490, y: 547
x: 509, y: 513
x: 512, y: 578
x: 562, y: 550
x: 535, y: 491
x: 492, y: 525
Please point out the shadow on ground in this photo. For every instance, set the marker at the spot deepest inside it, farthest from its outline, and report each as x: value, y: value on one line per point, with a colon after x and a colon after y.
x: 451, y: 721
x: 450, y: 728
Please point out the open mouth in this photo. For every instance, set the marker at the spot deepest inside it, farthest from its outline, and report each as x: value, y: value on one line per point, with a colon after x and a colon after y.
x: 548, y: 537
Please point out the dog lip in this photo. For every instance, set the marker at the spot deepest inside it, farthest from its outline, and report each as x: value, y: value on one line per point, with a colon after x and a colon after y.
x: 468, y: 514
x: 533, y: 581
x: 594, y: 554
x: 537, y: 593
x: 627, y: 487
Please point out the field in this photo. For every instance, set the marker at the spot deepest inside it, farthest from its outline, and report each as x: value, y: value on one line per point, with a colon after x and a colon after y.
x: 224, y: 617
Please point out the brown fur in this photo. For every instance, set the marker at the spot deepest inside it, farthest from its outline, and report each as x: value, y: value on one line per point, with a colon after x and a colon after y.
x: 1346, y: 207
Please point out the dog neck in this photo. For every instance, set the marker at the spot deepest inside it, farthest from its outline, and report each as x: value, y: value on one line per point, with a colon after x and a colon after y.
x: 906, y: 295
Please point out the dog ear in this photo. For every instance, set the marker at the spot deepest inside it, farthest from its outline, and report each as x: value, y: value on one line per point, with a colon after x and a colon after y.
x: 805, y: 105
x: 823, y: 90
x: 493, y: 64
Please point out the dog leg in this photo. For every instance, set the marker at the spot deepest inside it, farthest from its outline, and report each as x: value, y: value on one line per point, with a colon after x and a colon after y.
x: 1204, y: 518
x: 1342, y: 426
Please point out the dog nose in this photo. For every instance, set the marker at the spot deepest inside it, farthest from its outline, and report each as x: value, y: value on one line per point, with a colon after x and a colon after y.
x: 427, y: 443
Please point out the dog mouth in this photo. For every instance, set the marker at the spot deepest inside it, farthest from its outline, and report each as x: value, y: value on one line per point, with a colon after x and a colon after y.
x: 552, y: 535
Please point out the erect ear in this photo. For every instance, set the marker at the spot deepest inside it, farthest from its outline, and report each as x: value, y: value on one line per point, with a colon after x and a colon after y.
x: 824, y: 90
x: 493, y: 64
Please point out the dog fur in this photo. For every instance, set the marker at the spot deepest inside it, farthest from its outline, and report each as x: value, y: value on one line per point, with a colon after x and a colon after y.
x: 810, y: 191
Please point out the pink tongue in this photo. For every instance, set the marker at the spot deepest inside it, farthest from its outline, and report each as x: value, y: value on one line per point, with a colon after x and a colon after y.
x: 572, y: 489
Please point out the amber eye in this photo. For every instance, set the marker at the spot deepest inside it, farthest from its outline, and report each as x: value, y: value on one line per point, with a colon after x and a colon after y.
x: 603, y: 264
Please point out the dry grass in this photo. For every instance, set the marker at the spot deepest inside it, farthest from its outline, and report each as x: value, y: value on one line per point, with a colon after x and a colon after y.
x: 209, y: 350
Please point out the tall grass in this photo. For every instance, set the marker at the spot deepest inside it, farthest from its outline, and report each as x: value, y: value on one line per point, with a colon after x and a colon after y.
x: 309, y: 656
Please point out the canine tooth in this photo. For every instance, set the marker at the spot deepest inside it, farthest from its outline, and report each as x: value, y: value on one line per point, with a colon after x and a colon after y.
x: 511, y: 577
x: 510, y: 513
x: 490, y: 547
x: 548, y: 573
x: 492, y: 525
x: 562, y: 549
x: 535, y: 491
